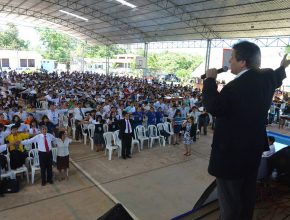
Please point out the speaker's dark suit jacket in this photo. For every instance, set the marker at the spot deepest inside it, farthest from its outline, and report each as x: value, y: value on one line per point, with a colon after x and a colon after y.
x: 122, y: 127
x: 241, y: 112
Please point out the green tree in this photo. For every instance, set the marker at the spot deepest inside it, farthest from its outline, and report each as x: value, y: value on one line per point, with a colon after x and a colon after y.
x: 100, y: 51
x: 58, y: 46
x: 287, y: 49
x: 180, y: 64
x: 9, y: 39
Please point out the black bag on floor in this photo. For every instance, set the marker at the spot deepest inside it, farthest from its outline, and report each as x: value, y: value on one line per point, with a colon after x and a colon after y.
x: 11, y: 185
x: 118, y: 212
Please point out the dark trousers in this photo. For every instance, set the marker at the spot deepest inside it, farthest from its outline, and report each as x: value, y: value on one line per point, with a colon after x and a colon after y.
x: 204, y: 128
x: 45, y: 161
x: 126, y: 144
x: 79, y: 132
x: 2, y: 190
x: 237, y: 197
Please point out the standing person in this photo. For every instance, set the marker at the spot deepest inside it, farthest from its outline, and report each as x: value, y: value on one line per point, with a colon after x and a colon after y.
x: 203, y: 120
x: 62, y: 164
x: 177, y: 125
x: 126, y: 134
x: 240, y: 109
x: 44, y: 143
x: 189, y: 135
x: 17, y: 151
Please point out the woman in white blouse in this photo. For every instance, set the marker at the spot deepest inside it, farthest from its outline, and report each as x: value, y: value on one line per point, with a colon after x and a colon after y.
x: 62, y: 144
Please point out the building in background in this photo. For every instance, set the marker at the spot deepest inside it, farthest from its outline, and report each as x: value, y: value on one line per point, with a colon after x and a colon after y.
x: 20, y: 60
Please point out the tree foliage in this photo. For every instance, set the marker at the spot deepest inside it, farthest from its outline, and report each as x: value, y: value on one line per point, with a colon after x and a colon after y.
x: 61, y: 47
x: 9, y: 39
x: 287, y: 49
x: 57, y: 46
x: 168, y: 62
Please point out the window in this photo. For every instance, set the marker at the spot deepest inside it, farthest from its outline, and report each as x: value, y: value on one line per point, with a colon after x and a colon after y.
x: 31, y: 62
x: 5, y: 62
x: 23, y: 62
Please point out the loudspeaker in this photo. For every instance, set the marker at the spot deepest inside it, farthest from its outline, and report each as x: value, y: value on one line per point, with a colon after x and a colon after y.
x: 118, y: 212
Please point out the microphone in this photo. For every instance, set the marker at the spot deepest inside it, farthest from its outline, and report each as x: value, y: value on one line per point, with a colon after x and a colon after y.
x: 223, y: 69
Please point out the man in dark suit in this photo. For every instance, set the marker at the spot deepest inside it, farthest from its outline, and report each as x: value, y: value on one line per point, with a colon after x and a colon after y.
x: 126, y: 134
x: 239, y: 138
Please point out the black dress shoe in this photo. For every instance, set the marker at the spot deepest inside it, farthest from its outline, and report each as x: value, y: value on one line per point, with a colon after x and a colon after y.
x: 50, y: 182
x: 2, y: 195
x: 124, y: 157
x: 128, y: 156
x: 43, y: 183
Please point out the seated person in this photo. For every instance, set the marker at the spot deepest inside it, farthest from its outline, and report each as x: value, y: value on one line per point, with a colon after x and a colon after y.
x: 270, y: 152
x: 16, y: 149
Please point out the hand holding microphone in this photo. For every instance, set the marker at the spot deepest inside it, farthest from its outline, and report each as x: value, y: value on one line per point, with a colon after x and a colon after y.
x: 212, y: 73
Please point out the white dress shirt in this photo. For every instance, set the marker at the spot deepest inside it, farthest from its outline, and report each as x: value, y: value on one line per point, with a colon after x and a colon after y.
x: 62, y: 146
x: 128, y: 124
x: 3, y: 135
x: 77, y: 113
x: 53, y: 115
x: 39, y: 139
x: 3, y: 148
x: 31, y: 131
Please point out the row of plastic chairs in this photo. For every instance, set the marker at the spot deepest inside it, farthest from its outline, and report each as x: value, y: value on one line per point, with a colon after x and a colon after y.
x: 113, y: 142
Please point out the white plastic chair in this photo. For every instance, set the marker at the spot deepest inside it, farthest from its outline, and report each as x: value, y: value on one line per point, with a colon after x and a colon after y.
x: 34, y: 163
x: 110, y: 145
x: 106, y: 128
x: 118, y: 142
x: 91, y: 129
x: 135, y: 142
x: 73, y: 127
x: 7, y: 173
x: 153, y: 135
x: 84, y: 126
x: 65, y: 122
x: 44, y: 104
x: 22, y: 169
x: 169, y: 129
x: 141, y: 135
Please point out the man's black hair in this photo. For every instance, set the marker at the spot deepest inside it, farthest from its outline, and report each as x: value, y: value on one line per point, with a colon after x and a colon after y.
x: 248, y: 52
x: 271, y: 139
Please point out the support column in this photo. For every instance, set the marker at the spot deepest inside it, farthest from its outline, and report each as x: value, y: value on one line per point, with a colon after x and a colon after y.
x: 207, y: 58
x: 107, y: 60
x: 145, y: 70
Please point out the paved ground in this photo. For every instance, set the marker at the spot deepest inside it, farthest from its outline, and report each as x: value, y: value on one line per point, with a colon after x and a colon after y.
x: 157, y: 183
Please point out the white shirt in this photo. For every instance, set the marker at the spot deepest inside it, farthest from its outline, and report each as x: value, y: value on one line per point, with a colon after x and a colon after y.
x: 39, y: 139
x: 270, y: 152
x: 62, y: 146
x: 3, y: 148
x: 3, y: 135
x: 53, y: 115
x: 31, y: 131
x: 77, y: 113
x: 128, y: 126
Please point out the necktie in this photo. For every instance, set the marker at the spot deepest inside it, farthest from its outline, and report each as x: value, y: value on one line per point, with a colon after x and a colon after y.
x: 34, y: 131
x: 128, y: 126
x: 82, y: 114
x: 46, y: 144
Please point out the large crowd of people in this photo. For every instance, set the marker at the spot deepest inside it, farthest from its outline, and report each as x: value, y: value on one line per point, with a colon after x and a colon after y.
x: 32, y: 105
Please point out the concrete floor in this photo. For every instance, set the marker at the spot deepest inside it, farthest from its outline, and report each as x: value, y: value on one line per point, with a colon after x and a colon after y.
x: 158, y: 183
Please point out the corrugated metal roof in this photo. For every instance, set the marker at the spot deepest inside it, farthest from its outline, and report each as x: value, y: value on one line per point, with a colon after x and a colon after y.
x: 110, y: 22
